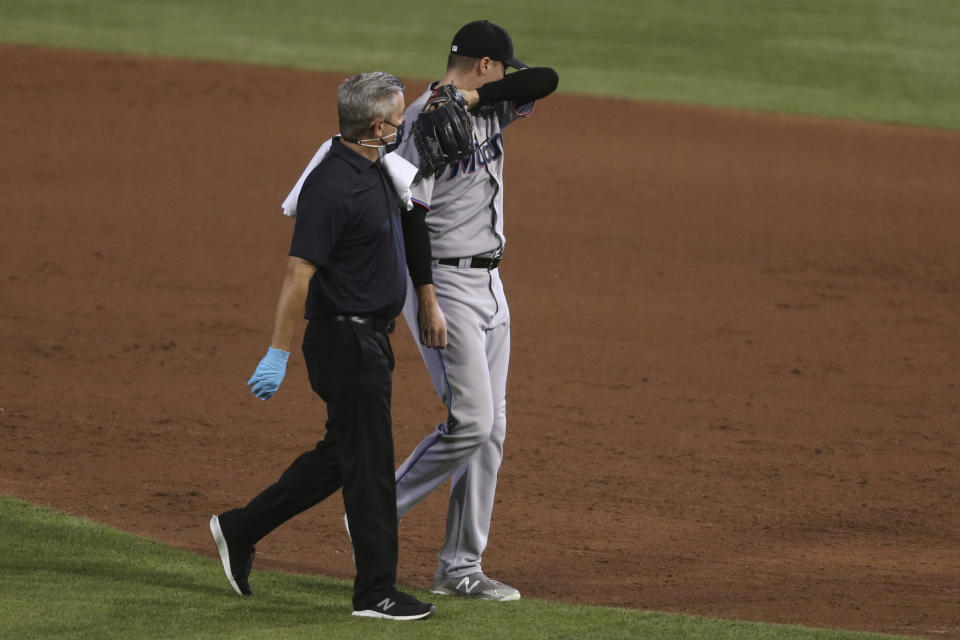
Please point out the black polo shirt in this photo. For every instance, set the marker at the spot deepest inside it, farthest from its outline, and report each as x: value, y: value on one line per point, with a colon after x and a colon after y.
x: 348, y: 224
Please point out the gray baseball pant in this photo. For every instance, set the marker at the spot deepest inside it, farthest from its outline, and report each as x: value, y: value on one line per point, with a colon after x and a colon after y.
x: 470, y: 376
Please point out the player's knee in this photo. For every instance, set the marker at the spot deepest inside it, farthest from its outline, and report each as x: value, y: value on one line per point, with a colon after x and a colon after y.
x: 473, y: 430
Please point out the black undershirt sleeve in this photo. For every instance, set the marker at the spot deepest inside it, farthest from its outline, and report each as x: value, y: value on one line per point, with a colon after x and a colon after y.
x: 416, y: 240
x: 522, y: 87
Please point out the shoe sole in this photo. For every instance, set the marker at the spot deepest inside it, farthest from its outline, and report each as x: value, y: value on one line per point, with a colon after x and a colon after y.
x: 479, y: 596
x: 370, y: 613
x: 221, y: 543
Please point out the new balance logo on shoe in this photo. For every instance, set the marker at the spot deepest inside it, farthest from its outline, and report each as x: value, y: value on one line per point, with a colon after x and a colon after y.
x: 386, y: 604
x: 467, y: 586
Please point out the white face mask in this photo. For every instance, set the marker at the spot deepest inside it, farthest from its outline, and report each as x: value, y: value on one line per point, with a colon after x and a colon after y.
x: 384, y: 147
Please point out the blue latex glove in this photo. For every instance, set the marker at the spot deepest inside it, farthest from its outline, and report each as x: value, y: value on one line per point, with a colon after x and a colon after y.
x: 269, y: 374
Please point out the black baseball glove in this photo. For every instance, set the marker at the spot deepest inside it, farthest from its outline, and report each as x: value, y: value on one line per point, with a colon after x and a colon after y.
x: 443, y: 131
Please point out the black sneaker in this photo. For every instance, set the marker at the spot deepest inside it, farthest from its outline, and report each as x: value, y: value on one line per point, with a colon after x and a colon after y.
x: 398, y: 606
x: 236, y: 558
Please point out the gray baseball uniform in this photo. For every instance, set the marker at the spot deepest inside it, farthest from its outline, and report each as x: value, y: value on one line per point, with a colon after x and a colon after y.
x: 465, y: 220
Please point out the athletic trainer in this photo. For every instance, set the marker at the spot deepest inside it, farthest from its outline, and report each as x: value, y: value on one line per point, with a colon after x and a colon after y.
x: 346, y: 273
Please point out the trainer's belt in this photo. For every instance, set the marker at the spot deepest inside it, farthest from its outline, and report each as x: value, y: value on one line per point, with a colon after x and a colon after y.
x: 475, y: 262
x: 377, y: 323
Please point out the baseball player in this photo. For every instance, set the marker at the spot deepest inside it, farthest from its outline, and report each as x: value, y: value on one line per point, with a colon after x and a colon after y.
x: 457, y: 307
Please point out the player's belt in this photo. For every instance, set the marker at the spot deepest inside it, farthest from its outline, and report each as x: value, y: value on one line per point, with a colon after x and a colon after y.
x: 476, y: 262
x: 377, y: 323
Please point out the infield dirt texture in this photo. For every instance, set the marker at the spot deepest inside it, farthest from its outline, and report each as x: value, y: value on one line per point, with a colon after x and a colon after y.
x: 736, y: 346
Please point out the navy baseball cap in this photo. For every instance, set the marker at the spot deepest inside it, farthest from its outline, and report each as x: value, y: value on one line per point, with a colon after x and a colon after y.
x: 484, y: 39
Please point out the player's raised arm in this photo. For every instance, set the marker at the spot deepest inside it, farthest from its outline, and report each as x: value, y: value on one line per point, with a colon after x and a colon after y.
x: 520, y: 87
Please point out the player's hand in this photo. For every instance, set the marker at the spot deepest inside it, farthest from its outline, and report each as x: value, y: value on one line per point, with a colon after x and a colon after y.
x: 269, y: 374
x: 446, y: 92
x: 471, y: 97
x: 433, y: 325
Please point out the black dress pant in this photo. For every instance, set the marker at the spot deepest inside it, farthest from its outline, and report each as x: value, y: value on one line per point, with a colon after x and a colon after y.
x: 350, y: 367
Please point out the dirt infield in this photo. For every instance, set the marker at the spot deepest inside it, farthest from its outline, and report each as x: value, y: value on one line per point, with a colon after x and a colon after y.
x: 734, y: 388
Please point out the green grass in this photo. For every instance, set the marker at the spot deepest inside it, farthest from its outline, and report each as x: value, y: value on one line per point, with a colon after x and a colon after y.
x: 886, y: 60
x: 64, y: 577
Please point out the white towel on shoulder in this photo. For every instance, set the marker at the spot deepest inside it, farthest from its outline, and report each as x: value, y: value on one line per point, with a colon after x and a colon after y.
x: 400, y: 171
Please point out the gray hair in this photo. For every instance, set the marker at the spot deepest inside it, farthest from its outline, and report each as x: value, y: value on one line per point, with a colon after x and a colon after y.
x: 363, y: 98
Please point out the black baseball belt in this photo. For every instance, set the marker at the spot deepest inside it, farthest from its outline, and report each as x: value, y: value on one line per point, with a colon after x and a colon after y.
x: 377, y: 323
x: 476, y: 262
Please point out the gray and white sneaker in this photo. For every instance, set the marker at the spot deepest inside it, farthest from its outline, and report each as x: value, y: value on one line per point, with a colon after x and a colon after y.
x: 476, y: 585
